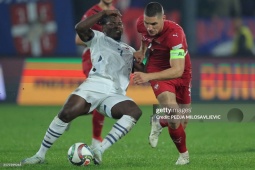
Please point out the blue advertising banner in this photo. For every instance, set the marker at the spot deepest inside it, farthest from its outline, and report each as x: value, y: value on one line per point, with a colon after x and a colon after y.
x: 216, y: 36
x: 36, y: 27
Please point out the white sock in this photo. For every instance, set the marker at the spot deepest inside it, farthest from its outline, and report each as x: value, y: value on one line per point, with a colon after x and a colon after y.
x: 55, y: 130
x: 119, y: 129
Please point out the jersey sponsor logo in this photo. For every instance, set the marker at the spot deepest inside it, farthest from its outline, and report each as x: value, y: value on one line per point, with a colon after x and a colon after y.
x: 33, y: 28
x: 175, y: 35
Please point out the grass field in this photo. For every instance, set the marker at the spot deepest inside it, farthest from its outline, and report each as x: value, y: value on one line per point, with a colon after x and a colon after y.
x: 212, y: 145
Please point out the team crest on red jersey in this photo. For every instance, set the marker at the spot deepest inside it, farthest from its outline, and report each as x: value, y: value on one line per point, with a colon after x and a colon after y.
x: 33, y: 28
x: 156, y: 86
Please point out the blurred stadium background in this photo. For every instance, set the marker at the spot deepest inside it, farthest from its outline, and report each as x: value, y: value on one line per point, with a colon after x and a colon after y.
x: 40, y: 64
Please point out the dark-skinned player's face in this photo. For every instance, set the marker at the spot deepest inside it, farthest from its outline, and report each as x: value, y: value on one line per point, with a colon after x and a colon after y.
x: 114, y: 27
x: 107, y: 1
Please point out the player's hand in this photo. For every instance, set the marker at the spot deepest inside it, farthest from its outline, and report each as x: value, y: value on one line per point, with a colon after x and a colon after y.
x: 139, y: 56
x: 113, y: 12
x: 140, y: 78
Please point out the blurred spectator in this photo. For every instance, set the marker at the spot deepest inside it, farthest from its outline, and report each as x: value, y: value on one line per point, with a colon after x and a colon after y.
x: 219, y: 8
x: 248, y: 8
x: 243, y: 40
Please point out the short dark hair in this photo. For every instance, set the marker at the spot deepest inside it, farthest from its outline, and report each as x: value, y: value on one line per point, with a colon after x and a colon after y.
x: 153, y: 9
x: 105, y: 19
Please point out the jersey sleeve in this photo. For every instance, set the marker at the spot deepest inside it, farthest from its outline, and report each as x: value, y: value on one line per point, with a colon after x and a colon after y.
x: 95, y: 39
x: 176, y: 39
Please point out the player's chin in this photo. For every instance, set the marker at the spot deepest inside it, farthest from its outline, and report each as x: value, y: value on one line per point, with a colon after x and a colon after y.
x: 117, y: 37
x: 152, y: 33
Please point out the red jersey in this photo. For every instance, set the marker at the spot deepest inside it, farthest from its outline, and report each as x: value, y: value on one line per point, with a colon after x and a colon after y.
x: 171, y: 37
x: 92, y: 11
x: 86, y: 60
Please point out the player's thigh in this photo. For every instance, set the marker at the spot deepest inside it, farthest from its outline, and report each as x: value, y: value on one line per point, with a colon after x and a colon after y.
x: 183, y: 95
x: 74, y: 107
x: 167, y: 98
x: 94, y: 97
x: 164, y: 91
x: 118, y: 105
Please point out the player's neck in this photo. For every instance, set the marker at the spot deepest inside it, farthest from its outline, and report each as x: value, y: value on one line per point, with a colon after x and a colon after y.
x: 105, y: 6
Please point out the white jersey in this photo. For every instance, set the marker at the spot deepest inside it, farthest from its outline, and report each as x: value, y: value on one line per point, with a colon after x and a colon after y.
x: 111, y: 60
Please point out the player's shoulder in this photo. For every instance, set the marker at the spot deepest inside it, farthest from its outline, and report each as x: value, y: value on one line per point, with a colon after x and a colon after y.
x: 173, y: 30
x: 172, y: 26
x: 140, y: 26
x: 98, y: 33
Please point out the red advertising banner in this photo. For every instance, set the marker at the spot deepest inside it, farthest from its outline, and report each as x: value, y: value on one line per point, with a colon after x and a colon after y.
x: 224, y: 79
x: 50, y: 81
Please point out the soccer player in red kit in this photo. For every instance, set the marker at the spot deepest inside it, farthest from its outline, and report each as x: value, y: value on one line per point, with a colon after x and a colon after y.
x: 97, y: 119
x: 169, y: 72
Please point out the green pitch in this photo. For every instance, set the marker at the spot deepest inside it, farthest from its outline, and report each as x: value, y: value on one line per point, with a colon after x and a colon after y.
x: 216, y: 144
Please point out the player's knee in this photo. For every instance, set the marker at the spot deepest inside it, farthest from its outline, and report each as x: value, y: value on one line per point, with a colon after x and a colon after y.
x: 67, y: 114
x: 184, y: 124
x: 174, y: 124
x: 136, y: 113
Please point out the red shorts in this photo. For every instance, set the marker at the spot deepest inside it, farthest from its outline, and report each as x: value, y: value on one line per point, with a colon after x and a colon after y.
x: 180, y: 87
x: 86, y: 62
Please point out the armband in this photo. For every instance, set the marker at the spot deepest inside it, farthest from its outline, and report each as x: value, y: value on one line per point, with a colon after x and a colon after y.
x: 177, y: 54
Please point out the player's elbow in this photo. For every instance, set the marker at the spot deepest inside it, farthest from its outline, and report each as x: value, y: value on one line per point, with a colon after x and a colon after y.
x: 77, y: 40
x: 179, y: 72
x: 78, y: 30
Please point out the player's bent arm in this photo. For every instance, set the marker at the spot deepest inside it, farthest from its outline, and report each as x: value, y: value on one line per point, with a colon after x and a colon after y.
x: 78, y: 41
x: 177, y: 63
x: 83, y: 28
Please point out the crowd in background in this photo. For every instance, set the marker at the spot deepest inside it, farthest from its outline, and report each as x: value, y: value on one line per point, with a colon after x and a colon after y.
x: 236, y: 38
x: 222, y: 28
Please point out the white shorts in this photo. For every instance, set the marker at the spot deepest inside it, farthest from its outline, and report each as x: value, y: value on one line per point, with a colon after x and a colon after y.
x: 102, y: 95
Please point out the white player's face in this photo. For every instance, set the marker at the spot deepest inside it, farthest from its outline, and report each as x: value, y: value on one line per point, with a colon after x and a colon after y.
x: 114, y: 28
x: 154, y: 25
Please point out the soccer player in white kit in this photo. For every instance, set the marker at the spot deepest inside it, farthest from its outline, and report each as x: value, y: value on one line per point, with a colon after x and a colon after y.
x: 104, y: 89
